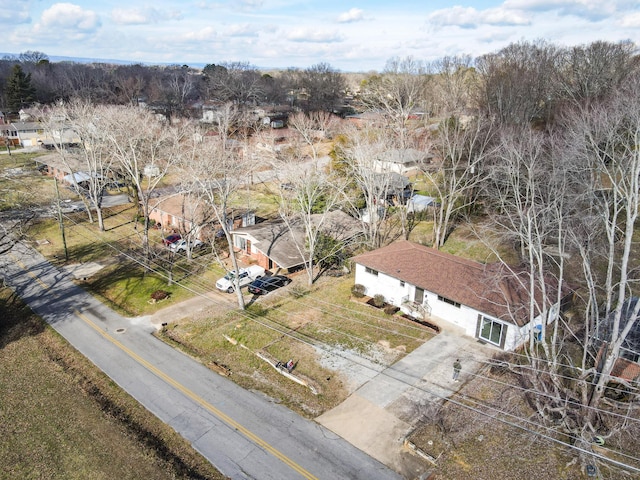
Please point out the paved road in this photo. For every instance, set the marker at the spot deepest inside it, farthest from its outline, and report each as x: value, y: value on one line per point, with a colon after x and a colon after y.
x: 245, y: 435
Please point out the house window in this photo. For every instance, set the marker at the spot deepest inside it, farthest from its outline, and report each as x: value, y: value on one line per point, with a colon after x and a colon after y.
x: 450, y: 302
x: 402, y: 283
x: 241, y: 242
x: 491, y: 331
x: 371, y: 271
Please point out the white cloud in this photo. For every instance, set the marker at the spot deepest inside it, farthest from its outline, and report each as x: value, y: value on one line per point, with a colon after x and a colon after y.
x: 13, y: 12
x: 353, y: 15
x: 251, y: 4
x: 244, y: 5
x: 68, y: 16
x: 142, y: 16
x: 204, y: 34
x: 313, y: 35
x: 631, y: 20
x: 590, y: 9
x: 241, y: 30
x: 469, y: 17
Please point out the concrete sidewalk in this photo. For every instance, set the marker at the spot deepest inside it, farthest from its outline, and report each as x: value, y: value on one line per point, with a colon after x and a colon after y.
x: 377, y: 417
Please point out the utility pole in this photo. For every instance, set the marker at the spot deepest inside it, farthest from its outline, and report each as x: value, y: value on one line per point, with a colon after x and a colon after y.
x: 60, y: 222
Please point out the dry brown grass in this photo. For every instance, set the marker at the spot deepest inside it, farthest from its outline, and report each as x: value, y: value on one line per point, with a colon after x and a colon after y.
x: 471, y: 446
x: 62, y: 418
x: 284, y: 327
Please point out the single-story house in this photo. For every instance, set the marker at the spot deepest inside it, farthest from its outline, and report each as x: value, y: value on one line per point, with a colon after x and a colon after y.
x: 486, y: 301
x: 401, y: 160
x: 273, y: 244
x: 392, y: 187
x: 189, y: 215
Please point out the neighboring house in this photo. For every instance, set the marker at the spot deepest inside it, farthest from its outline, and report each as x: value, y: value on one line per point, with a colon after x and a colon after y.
x: 627, y: 365
x: 189, y: 215
x: 370, y: 117
x: 486, y: 301
x: 28, y: 114
x: 30, y: 134
x: 401, y: 161
x: 390, y: 189
x: 51, y: 164
x: 273, y: 245
x: 63, y: 137
x: 8, y: 135
x: 420, y: 203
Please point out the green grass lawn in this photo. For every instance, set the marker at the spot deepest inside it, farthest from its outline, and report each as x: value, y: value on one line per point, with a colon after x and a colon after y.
x: 123, y: 282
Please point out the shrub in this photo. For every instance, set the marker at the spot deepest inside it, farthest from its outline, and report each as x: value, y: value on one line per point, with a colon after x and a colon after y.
x: 298, y: 291
x: 378, y: 300
x: 391, y: 309
x: 159, y: 295
x: 358, y: 290
x: 257, y: 310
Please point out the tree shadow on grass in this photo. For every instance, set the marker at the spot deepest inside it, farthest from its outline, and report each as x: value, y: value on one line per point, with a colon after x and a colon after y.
x: 16, y: 319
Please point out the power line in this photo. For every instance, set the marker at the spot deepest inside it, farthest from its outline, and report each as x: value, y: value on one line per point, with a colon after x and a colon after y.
x: 342, y: 318
x: 313, y: 343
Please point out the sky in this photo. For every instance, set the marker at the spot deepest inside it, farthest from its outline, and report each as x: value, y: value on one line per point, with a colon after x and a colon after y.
x: 349, y: 35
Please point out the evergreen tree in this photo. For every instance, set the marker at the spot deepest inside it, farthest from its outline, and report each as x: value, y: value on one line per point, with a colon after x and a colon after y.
x: 19, y: 90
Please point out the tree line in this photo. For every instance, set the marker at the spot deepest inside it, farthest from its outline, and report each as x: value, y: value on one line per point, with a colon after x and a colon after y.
x: 31, y: 78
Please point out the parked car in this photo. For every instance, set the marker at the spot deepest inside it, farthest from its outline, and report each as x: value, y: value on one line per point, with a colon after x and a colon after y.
x: 246, y: 276
x: 181, y: 245
x: 171, y: 239
x: 265, y: 285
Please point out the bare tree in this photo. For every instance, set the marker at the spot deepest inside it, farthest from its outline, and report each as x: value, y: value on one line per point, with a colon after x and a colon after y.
x: 216, y: 168
x: 144, y: 149
x: 396, y: 94
x: 452, y: 85
x: 236, y: 82
x: 368, y: 190
x: 461, y: 148
x: 516, y: 85
x: 571, y: 204
x: 312, y: 127
x: 77, y: 123
x: 306, y: 204
x: 591, y: 72
x: 606, y: 139
x: 322, y: 88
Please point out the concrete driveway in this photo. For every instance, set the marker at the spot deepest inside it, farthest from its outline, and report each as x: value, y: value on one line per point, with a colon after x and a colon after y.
x: 377, y: 417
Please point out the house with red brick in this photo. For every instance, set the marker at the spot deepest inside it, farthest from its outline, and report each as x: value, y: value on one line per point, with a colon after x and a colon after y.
x: 193, y: 217
x: 487, y: 301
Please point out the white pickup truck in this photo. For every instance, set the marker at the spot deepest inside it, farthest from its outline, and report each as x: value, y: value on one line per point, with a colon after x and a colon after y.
x: 247, y: 275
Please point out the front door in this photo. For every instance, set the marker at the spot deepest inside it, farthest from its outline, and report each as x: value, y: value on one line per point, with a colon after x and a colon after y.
x: 418, y: 296
x: 248, y: 247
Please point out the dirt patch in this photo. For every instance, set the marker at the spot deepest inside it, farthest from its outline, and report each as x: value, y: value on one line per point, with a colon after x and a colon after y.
x: 82, y: 271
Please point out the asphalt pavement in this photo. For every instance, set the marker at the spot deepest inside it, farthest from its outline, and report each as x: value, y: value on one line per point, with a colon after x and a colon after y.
x: 244, y: 434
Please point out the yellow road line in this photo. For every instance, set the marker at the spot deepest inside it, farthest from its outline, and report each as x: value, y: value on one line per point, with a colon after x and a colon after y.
x: 222, y: 416
x: 29, y: 272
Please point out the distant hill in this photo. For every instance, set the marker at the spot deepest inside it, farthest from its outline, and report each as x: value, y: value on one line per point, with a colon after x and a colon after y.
x: 54, y: 58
